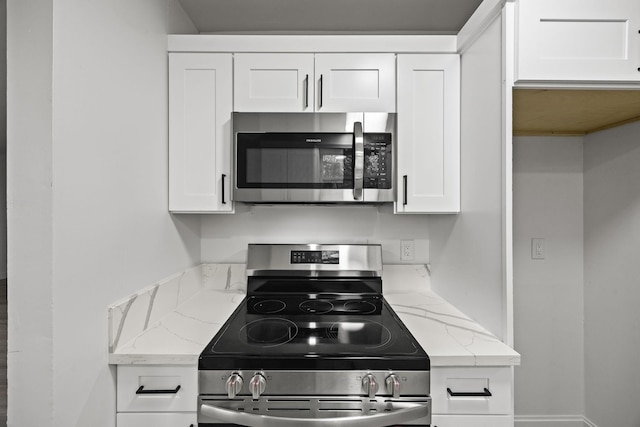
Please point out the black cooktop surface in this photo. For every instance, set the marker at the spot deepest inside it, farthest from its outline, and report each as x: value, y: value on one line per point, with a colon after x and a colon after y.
x: 314, y: 331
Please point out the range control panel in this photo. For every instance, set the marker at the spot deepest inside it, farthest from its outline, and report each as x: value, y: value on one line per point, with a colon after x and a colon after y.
x: 315, y: 257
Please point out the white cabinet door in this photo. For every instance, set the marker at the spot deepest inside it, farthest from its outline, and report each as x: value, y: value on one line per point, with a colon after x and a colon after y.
x: 470, y: 421
x: 149, y: 388
x: 200, y: 105
x: 577, y: 40
x: 472, y: 390
x: 157, y: 420
x: 428, y: 139
x: 273, y: 82
x: 355, y: 82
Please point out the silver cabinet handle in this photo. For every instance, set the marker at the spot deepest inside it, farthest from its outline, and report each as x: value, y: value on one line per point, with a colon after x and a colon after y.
x: 358, y: 166
x: 411, y: 411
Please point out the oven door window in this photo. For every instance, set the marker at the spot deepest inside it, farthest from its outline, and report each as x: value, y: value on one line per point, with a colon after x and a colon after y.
x: 294, y: 160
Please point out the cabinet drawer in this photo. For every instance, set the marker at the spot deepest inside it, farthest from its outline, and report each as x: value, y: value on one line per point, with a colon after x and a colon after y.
x: 157, y: 420
x: 471, y: 421
x: 157, y: 388
x: 460, y: 390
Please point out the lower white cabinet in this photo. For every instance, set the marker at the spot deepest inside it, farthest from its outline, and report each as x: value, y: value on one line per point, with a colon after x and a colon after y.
x: 168, y: 419
x: 472, y: 396
x: 471, y: 421
x: 157, y: 395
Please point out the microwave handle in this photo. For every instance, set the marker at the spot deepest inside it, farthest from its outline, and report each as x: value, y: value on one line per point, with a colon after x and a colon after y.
x: 358, y: 166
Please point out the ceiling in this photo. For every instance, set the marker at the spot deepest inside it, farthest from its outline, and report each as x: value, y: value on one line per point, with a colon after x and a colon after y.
x: 330, y: 16
x: 572, y: 112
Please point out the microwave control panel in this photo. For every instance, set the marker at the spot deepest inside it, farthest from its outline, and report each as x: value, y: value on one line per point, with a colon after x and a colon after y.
x: 377, y: 160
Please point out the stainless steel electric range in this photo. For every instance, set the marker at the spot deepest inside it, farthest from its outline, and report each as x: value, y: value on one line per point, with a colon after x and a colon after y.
x: 314, y: 344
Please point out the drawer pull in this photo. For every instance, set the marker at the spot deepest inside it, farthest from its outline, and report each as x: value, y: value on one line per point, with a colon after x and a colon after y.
x: 485, y: 393
x: 141, y: 390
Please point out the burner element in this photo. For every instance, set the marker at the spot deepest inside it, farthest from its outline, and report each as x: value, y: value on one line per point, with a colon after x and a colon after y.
x: 359, y: 307
x: 316, y: 306
x: 269, y: 306
x: 269, y: 332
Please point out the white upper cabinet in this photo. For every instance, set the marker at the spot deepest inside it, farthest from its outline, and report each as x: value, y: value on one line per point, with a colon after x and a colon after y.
x: 428, y: 138
x: 355, y: 82
x: 578, y: 40
x: 200, y: 105
x: 273, y: 82
x: 277, y: 82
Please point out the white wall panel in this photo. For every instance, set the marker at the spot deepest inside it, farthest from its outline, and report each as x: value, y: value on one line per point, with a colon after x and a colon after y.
x: 466, y: 249
x: 548, y: 293
x: 611, y: 294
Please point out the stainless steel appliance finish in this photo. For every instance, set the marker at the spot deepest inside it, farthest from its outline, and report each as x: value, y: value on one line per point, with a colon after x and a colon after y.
x: 314, y: 344
x: 335, y: 260
x: 314, y: 157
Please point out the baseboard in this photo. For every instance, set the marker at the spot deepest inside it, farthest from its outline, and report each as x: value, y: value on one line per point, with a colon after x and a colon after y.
x: 552, y: 421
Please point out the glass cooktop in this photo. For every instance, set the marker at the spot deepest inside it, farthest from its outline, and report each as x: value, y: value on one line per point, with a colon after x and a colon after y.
x: 313, y: 331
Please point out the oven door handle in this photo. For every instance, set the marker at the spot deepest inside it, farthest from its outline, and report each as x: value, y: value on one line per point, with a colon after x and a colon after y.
x: 358, y: 163
x: 411, y: 411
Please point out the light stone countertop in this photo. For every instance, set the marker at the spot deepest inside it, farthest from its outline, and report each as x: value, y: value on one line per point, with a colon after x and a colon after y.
x: 176, y: 318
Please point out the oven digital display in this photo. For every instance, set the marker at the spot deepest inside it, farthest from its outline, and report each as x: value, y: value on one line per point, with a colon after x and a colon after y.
x: 315, y: 257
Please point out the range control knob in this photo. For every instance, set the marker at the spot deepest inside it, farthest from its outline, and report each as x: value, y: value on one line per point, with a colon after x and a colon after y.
x: 393, y: 385
x: 370, y: 385
x: 233, y: 385
x: 257, y: 385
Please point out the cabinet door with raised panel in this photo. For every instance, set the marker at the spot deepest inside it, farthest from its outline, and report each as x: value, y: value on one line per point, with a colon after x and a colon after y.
x: 428, y: 138
x: 577, y: 40
x: 355, y: 82
x: 200, y: 105
x: 273, y: 82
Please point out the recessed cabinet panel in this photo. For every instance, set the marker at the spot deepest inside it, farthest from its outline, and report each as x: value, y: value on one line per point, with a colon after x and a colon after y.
x: 200, y: 104
x: 574, y: 40
x: 355, y: 82
x: 273, y: 82
x: 428, y: 134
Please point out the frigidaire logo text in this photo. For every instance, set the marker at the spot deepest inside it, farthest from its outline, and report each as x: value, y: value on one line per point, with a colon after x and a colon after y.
x: 313, y: 140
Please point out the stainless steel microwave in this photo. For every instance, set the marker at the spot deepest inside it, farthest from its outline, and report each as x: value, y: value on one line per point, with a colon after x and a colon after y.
x: 314, y: 157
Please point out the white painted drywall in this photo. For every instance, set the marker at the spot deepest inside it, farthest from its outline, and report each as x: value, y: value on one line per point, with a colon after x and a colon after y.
x: 88, y: 183
x: 612, y: 276
x: 225, y: 237
x: 30, y: 228
x: 3, y: 139
x: 548, y: 293
x: 466, y: 249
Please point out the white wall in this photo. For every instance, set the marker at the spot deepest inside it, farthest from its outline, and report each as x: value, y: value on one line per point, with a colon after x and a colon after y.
x: 548, y: 293
x: 466, y: 249
x: 88, y: 206
x: 612, y: 276
x: 3, y: 139
x: 30, y: 335
x: 225, y: 237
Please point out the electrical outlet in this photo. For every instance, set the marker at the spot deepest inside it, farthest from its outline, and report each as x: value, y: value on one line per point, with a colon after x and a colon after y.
x: 538, y: 248
x: 407, y: 249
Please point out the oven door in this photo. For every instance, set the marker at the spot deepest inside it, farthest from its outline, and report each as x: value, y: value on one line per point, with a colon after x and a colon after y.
x: 313, y: 411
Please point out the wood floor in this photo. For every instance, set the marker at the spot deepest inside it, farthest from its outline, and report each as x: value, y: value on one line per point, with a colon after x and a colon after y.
x: 3, y: 352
